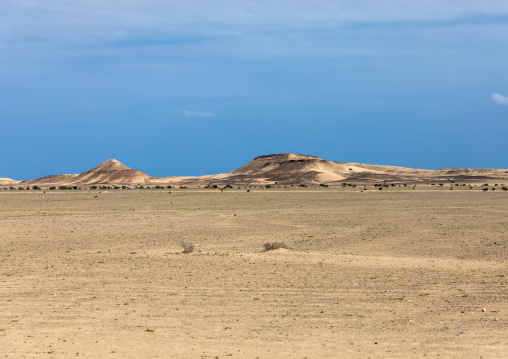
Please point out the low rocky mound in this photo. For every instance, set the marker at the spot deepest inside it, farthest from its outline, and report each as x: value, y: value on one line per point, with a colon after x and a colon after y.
x: 473, y: 172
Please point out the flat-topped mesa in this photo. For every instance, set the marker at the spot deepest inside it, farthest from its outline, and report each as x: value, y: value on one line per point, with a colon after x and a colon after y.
x: 272, y: 161
x: 291, y: 168
x: 283, y: 157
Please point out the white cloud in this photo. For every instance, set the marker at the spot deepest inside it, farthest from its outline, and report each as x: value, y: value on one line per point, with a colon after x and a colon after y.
x: 499, y: 99
x: 197, y: 114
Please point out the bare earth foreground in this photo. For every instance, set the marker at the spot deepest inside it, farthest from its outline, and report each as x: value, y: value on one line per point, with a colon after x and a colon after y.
x: 383, y: 274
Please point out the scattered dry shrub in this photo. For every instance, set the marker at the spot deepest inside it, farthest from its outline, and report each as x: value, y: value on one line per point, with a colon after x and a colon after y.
x: 274, y: 245
x: 187, y: 247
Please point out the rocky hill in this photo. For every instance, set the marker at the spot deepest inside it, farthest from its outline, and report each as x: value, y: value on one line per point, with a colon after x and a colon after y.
x: 112, y: 171
x: 109, y: 172
x: 276, y: 169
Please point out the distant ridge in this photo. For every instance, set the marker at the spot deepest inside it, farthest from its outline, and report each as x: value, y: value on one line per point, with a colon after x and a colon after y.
x: 286, y: 169
x: 295, y: 169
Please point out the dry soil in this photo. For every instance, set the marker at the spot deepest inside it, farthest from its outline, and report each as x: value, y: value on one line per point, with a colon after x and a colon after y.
x: 381, y: 274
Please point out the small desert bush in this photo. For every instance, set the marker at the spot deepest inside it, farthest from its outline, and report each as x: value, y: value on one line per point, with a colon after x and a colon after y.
x: 187, y: 247
x: 270, y: 246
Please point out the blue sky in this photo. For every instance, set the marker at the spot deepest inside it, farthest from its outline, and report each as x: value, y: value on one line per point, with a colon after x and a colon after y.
x: 202, y: 87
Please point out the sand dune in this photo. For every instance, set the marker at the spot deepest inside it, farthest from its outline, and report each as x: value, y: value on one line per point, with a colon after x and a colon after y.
x: 4, y: 181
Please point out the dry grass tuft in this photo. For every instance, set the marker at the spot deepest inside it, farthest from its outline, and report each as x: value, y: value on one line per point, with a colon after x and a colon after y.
x: 274, y: 245
x: 187, y: 247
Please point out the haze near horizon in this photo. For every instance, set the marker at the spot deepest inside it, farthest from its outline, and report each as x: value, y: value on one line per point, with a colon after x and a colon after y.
x: 200, y: 88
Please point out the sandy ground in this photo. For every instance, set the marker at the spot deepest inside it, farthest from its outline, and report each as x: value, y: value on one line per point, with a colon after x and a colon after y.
x: 379, y: 274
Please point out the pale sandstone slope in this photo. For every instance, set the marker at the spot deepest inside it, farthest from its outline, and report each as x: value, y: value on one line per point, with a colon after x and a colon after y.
x: 7, y: 181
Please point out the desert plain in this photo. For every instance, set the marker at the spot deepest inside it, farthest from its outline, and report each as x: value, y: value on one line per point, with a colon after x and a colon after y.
x: 394, y: 273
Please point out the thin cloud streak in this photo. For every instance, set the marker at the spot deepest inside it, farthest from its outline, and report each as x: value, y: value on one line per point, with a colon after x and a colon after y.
x: 93, y: 21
